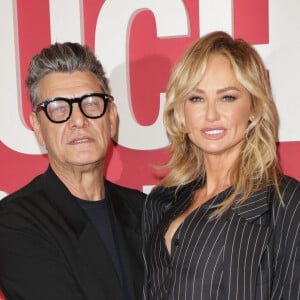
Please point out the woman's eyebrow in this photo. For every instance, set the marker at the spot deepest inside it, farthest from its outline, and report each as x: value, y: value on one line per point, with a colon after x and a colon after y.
x: 228, y: 88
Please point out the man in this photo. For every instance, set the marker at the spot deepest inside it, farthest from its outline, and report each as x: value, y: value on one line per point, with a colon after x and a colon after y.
x: 70, y: 233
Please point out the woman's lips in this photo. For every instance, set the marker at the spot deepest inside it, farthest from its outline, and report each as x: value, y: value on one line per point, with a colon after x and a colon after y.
x: 213, y: 133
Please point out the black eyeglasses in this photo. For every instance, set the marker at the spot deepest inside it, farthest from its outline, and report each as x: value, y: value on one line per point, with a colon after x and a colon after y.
x: 59, y: 109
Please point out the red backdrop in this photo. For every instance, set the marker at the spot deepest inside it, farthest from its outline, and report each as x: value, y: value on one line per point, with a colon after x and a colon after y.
x: 150, y: 59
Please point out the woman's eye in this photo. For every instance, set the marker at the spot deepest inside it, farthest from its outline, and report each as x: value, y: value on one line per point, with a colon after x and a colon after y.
x: 229, y: 98
x: 195, y: 99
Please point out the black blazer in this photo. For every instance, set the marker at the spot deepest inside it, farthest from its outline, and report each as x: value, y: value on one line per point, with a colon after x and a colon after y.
x: 49, y: 249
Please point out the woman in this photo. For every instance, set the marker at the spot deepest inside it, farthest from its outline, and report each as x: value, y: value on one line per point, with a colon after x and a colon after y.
x: 224, y: 223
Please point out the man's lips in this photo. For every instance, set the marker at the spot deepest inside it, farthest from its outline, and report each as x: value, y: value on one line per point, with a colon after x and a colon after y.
x: 80, y: 140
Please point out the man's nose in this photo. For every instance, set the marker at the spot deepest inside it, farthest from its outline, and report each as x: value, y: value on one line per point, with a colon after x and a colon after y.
x: 77, y: 118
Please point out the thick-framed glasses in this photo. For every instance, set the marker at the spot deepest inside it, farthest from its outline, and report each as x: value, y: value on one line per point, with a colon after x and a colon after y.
x: 59, y: 109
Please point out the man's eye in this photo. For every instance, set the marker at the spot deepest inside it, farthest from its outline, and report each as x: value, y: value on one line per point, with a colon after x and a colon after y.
x: 91, y: 103
x: 57, y: 107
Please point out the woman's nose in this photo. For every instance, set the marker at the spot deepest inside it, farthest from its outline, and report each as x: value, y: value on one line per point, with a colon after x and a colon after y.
x: 212, y: 112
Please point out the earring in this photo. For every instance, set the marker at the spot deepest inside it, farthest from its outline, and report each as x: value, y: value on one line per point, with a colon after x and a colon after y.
x: 251, y: 118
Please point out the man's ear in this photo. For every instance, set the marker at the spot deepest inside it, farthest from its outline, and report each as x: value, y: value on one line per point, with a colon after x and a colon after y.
x: 114, y: 121
x: 36, y: 126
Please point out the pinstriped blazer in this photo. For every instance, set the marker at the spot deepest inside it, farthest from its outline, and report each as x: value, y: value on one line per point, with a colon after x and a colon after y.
x: 261, y: 258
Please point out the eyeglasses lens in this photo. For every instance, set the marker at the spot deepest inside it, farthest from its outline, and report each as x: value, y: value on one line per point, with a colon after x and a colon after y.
x: 92, y: 106
x: 58, y: 110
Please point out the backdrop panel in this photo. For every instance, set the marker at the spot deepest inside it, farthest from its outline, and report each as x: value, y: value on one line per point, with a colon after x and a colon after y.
x: 138, y: 42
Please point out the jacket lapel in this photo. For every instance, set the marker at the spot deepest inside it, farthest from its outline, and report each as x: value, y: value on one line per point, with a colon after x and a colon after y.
x: 127, y: 229
x: 84, y: 250
x: 246, y: 240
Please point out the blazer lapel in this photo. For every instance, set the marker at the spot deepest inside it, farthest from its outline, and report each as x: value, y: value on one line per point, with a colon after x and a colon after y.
x: 84, y: 249
x: 245, y: 243
x: 127, y: 229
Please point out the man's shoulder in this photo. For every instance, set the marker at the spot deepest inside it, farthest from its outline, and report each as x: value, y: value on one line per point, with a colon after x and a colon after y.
x: 27, y: 191
x: 131, y: 198
x: 22, y: 208
x: 124, y: 190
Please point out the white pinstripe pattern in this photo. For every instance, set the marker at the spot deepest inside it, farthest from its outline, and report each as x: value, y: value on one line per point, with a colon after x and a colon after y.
x: 251, y: 252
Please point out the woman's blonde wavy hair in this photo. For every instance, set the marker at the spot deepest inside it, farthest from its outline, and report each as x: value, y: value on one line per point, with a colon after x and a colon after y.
x: 258, y: 162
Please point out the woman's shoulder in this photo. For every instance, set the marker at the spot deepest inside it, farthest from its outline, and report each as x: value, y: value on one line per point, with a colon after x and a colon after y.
x: 161, y: 192
x: 289, y: 187
x: 286, y: 215
x: 160, y: 196
x: 286, y: 211
x: 172, y: 191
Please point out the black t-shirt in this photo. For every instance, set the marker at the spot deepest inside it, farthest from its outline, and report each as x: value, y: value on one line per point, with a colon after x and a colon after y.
x: 100, y: 213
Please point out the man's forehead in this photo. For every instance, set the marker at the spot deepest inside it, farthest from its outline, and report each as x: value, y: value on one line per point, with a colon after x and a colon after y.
x: 68, y: 84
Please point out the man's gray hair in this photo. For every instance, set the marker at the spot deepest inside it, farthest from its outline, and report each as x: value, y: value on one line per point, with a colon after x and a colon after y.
x: 62, y: 58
